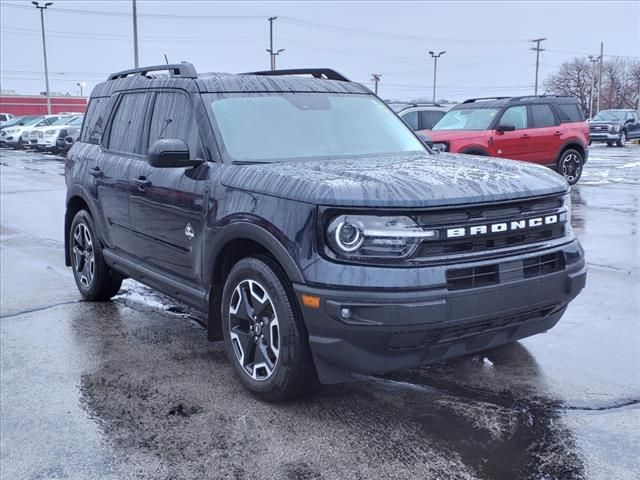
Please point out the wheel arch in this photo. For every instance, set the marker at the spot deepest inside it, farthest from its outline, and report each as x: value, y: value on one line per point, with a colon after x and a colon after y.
x: 575, y: 145
x: 234, y: 242
x: 76, y: 201
x: 475, y: 151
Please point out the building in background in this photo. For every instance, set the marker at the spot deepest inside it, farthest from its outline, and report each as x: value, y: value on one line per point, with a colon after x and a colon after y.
x: 10, y: 102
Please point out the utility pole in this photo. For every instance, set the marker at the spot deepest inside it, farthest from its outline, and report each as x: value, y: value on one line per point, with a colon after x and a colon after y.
x: 537, y: 49
x: 593, y: 61
x: 375, y: 77
x: 600, y: 77
x: 135, y: 35
x: 272, y: 55
x: 44, y: 51
x: 435, y: 69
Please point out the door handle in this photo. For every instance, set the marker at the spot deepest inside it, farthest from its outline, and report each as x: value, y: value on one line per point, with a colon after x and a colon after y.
x: 526, y: 135
x: 96, y: 172
x: 557, y: 134
x: 142, y: 182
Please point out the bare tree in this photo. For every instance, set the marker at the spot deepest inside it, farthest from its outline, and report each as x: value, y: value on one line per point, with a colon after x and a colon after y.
x: 620, y: 86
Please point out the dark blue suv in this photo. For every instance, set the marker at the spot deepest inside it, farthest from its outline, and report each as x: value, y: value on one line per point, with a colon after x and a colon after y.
x: 317, y: 232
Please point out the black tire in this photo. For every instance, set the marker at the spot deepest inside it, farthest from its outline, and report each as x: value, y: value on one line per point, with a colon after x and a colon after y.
x: 96, y: 283
x: 609, y: 144
x: 570, y: 165
x: 623, y: 139
x: 283, y: 374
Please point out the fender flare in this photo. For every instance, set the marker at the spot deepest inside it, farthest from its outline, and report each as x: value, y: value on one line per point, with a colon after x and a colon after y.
x: 572, y: 142
x: 73, y: 192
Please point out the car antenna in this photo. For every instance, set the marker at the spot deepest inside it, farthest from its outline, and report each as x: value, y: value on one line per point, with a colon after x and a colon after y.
x: 166, y: 59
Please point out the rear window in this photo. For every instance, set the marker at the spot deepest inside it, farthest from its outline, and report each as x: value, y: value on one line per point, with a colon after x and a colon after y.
x: 569, y: 113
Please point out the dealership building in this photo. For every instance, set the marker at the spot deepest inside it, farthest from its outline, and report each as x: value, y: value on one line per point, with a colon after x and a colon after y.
x: 11, y: 102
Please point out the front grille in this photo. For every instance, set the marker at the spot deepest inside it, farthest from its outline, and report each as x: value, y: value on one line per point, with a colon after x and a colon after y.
x: 486, y: 275
x: 599, y: 128
x: 467, y: 217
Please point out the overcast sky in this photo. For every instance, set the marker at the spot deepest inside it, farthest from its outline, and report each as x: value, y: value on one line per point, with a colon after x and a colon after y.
x: 486, y: 42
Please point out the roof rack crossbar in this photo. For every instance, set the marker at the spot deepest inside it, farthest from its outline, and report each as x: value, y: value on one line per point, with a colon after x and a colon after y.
x: 183, y: 70
x: 472, y: 100
x: 327, y: 73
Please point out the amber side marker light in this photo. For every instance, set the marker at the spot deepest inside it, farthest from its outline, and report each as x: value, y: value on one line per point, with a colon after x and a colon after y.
x: 310, y: 301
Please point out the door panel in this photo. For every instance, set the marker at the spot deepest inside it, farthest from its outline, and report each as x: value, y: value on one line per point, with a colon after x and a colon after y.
x: 547, y: 135
x: 167, y: 205
x: 515, y: 145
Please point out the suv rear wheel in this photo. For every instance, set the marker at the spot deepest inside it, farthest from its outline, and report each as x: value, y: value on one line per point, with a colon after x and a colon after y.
x: 94, y: 278
x: 623, y: 139
x: 265, y: 339
x: 570, y: 165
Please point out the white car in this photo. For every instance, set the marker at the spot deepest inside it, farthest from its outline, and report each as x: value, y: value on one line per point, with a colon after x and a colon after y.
x: 46, y: 137
x: 5, y: 117
x: 11, y: 135
x: 29, y: 137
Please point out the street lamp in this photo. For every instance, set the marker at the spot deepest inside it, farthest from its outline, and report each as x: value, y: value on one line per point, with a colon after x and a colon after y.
x: 81, y: 85
x: 435, y: 69
x: 593, y: 61
x: 44, y: 50
x: 273, y: 56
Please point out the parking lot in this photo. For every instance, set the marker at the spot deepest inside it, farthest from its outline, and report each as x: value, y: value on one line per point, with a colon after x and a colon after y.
x: 132, y: 389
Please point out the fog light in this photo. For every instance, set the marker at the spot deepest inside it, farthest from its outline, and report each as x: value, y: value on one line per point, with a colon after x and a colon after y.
x: 345, y: 313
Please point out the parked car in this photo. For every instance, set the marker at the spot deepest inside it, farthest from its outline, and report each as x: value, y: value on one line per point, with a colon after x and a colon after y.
x: 549, y: 130
x: 67, y: 137
x: 5, y: 117
x: 35, y: 133
x: 614, y: 126
x: 46, y: 137
x: 11, y: 135
x: 419, y: 116
x: 311, y: 224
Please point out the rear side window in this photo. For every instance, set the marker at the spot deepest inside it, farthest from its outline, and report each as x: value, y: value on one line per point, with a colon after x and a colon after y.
x: 428, y: 118
x: 127, y: 127
x: 173, y: 117
x: 542, y: 116
x: 95, y: 119
x: 411, y: 119
x: 569, y: 113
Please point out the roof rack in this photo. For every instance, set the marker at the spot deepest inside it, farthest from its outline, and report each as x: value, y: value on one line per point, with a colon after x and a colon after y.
x: 417, y: 104
x: 472, y: 100
x: 326, y: 73
x: 183, y: 70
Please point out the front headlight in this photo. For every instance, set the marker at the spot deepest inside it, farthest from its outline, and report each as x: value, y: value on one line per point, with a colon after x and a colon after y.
x: 368, y: 236
x: 615, y: 128
x: 9, y: 131
x: 50, y: 132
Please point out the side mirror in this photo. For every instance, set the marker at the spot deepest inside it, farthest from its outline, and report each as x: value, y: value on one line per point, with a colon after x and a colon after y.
x: 631, y: 120
x: 170, y: 153
x: 505, y: 127
x: 424, y: 138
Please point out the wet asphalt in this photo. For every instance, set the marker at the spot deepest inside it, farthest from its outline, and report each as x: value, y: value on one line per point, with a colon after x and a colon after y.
x: 131, y: 389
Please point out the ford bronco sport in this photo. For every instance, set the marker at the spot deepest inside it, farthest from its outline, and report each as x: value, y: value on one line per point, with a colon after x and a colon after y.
x: 546, y: 129
x: 319, y: 244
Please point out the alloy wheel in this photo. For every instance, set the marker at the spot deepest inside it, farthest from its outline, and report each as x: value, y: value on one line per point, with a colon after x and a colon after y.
x: 623, y: 139
x: 254, y: 330
x: 572, y: 167
x: 83, y: 255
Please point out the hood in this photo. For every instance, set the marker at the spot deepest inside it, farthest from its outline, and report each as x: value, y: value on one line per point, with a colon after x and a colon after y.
x: 409, y: 180
x: 604, y: 123
x: 443, y: 135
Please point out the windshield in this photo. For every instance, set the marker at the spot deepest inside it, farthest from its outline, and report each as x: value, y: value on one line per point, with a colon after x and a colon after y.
x: 610, y: 115
x: 31, y: 121
x: 263, y: 127
x: 75, y: 121
x: 60, y: 121
x: 467, y: 119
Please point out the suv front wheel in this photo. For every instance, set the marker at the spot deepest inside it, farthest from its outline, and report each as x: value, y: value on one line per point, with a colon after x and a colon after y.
x: 623, y: 139
x: 570, y: 165
x: 265, y: 339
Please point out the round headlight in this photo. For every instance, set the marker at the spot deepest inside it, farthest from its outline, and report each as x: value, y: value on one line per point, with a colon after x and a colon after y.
x: 348, y: 236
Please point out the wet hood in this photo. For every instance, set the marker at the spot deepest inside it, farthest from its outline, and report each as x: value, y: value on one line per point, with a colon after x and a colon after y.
x: 415, y: 180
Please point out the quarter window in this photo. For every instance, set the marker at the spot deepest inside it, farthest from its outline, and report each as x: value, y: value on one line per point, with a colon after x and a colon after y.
x: 127, y: 127
x: 411, y: 119
x: 516, y: 116
x: 569, y: 113
x: 173, y: 117
x: 542, y: 116
x: 94, y: 121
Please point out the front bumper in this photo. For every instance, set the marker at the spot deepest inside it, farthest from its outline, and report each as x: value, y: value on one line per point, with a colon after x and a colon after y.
x: 603, y: 137
x: 389, y: 330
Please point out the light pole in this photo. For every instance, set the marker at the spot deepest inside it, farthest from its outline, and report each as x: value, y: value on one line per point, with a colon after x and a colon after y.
x: 375, y: 77
x: 593, y: 61
x: 273, y: 57
x: 135, y: 35
x: 81, y: 85
x: 44, y: 51
x: 435, y: 69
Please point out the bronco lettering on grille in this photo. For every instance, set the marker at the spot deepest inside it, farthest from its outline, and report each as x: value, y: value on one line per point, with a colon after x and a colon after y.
x: 502, y: 226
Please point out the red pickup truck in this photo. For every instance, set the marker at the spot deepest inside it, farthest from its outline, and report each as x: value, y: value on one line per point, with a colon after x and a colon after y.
x: 546, y: 129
